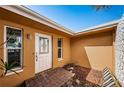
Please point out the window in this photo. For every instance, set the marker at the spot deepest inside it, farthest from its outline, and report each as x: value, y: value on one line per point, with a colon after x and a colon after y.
x: 60, y: 50
x: 13, y: 46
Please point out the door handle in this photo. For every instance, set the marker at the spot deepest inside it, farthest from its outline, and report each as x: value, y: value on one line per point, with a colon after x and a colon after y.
x: 36, y: 57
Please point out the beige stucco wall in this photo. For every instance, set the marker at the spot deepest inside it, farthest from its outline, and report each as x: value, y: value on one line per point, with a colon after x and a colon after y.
x: 78, y: 44
x: 99, y: 57
x: 29, y: 50
x: 73, y: 49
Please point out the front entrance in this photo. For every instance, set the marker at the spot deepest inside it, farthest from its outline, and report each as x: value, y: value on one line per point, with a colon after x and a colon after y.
x: 43, y: 52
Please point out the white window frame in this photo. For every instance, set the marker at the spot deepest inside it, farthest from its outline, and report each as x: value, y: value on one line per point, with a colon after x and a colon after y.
x: 59, y: 59
x: 17, y: 69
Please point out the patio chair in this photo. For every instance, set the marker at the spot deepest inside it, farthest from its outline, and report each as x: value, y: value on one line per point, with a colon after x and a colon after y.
x: 109, y: 80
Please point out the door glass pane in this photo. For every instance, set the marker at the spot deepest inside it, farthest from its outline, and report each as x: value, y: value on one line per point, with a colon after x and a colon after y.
x: 43, y: 45
x: 14, y: 38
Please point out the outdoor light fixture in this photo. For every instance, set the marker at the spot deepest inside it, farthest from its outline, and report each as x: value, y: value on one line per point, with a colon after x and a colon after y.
x: 29, y: 36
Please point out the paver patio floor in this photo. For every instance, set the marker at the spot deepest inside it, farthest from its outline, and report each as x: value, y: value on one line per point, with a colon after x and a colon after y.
x: 51, y: 78
x: 73, y: 76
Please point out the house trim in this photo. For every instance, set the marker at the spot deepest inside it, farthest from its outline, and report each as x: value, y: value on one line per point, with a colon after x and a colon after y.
x: 98, y: 27
x: 26, y: 12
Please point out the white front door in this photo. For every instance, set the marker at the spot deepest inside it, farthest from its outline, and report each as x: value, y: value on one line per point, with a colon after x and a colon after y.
x: 43, y: 52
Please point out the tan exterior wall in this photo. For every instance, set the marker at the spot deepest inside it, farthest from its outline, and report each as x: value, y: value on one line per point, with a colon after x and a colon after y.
x: 73, y: 48
x: 78, y: 45
x: 29, y: 50
x: 99, y: 57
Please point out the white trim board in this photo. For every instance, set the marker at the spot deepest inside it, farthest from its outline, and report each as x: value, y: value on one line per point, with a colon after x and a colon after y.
x: 98, y: 27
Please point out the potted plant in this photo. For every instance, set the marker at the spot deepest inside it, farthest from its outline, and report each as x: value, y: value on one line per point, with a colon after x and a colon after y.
x: 6, y: 66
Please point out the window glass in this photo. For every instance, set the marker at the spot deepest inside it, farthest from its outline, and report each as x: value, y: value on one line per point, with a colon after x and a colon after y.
x: 14, y: 46
x: 60, y: 48
x: 14, y: 38
x: 59, y: 53
x: 14, y: 57
x: 59, y: 42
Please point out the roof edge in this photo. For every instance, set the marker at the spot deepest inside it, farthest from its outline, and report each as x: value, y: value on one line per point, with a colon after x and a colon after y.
x: 26, y: 12
x: 99, y: 27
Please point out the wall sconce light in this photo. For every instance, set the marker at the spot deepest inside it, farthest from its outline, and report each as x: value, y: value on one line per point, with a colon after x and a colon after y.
x: 29, y: 36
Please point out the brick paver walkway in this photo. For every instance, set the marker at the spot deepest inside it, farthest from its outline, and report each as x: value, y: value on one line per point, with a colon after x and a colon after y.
x: 51, y: 78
